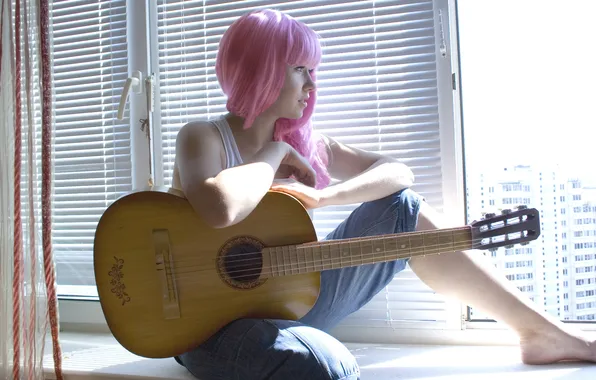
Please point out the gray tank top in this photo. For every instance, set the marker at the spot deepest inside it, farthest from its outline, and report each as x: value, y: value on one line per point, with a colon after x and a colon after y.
x: 233, y: 157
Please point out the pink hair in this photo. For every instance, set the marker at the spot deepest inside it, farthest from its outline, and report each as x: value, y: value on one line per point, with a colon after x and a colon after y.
x: 250, y: 67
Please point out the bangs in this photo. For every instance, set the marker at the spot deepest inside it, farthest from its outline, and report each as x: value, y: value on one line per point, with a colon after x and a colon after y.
x: 304, y: 47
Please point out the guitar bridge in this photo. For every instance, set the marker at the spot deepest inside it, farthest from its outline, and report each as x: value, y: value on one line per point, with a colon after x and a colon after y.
x: 164, y: 269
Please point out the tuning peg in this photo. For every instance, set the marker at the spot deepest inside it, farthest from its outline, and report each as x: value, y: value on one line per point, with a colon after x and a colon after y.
x: 506, y: 211
x: 508, y: 246
x: 524, y: 243
x: 489, y: 215
x: 522, y: 207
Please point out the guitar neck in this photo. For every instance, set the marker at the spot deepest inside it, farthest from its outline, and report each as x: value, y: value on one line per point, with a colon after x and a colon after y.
x: 334, y: 254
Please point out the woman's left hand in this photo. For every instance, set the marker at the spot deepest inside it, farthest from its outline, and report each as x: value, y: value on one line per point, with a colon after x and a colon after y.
x: 309, y: 196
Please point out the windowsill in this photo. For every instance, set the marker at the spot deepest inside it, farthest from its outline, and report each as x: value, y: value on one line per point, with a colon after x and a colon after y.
x: 99, y: 356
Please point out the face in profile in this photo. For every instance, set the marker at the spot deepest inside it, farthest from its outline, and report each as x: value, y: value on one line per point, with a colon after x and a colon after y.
x: 295, y: 93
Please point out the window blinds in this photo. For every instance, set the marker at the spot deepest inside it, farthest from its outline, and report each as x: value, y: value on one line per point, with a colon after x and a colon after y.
x: 92, y: 156
x: 377, y: 90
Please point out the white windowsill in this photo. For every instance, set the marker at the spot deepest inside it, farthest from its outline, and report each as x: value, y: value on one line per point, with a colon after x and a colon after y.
x: 99, y: 356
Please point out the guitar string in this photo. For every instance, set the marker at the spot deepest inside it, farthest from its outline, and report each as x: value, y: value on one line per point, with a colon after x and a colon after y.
x: 291, y: 249
x: 266, y: 272
x: 289, y: 267
x: 361, y: 240
x: 296, y: 250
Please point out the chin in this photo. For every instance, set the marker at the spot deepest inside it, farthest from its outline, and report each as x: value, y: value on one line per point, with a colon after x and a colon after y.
x: 293, y: 115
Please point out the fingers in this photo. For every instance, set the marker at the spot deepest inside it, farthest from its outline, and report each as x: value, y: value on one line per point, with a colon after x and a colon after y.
x: 306, y: 177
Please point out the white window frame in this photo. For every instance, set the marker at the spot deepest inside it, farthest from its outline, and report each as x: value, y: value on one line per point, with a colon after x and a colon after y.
x: 85, y: 315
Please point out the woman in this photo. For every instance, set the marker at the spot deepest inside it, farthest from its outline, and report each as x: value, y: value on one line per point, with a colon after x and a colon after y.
x: 266, y: 65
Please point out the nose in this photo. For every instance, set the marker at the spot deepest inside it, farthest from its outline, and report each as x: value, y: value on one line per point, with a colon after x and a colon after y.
x: 309, y: 84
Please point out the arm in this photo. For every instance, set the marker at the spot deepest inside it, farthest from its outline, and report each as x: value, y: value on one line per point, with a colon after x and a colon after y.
x: 222, y: 197
x: 364, y: 176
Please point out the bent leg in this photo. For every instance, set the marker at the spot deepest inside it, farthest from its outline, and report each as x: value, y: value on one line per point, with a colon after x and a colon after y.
x: 257, y: 349
x: 344, y: 291
x: 471, y: 278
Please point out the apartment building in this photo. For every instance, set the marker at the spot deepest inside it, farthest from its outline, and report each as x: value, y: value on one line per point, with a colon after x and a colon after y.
x: 558, y: 270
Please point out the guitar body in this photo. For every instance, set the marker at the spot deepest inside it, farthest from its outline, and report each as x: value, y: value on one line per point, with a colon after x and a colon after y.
x: 164, y: 283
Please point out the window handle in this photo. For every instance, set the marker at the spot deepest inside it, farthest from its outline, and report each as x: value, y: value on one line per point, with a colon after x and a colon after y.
x: 133, y: 82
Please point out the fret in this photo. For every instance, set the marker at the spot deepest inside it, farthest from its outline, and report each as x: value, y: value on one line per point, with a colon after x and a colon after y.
x: 287, y: 259
x: 326, y: 256
x: 308, y: 260
x: 298, y: 260
x: 446, y: 241
x: 430, y: 242
x: 272, y: 265
x: 462, y: 239
x: 378, y: 250
x: 355, y: 251
x: 301, y: 260
x: 345, y: 257
x: 279, y: 260
x: 293, y: 261
x: 284, y: 263
x: 391, y: 247
x: 416, y: 244
x: 367, y: 252
x: 317, y: 258
x: 335, y: 253
x: 443, y: 243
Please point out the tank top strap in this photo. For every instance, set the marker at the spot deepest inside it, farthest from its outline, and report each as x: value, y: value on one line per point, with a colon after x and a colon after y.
x: 233, y: 157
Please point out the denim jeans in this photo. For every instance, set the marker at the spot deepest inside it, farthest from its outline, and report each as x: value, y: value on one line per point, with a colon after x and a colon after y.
x: 258, y: 349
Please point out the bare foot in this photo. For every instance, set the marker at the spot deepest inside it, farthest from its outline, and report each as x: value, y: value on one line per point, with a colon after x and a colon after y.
x: 557, y: 345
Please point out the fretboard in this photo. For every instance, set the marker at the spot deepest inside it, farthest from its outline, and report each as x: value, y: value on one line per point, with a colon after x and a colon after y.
x: 334, y: 254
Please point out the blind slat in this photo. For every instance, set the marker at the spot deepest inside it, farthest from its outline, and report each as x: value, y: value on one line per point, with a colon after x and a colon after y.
x: 92, y: 153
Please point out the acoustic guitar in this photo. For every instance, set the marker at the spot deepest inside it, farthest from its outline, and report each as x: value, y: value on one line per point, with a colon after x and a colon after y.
x: 167, y: 281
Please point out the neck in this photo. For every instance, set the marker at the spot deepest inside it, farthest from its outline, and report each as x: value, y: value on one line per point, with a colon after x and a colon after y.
x: 259, y: 133
x: 342, y: 253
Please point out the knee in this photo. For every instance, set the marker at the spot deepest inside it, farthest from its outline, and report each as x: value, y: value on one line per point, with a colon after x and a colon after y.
x: 309, y: 353
x: 272, y: 349
x: 409, y: 207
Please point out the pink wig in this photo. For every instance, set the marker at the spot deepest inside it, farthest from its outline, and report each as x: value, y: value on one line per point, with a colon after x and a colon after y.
x: 250, y: 66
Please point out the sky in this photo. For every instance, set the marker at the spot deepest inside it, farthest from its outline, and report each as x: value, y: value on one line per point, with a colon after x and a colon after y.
x: 528, y: 72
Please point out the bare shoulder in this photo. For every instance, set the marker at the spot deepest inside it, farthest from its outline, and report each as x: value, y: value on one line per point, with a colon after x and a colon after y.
x: 195, y: 132
x: 199, y: 153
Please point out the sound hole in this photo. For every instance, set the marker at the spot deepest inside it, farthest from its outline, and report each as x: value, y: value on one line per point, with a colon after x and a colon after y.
x: 243, y: 263
x: 240, y: 262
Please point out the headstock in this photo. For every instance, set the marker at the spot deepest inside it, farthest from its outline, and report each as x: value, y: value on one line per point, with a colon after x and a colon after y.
x: 511, y: 227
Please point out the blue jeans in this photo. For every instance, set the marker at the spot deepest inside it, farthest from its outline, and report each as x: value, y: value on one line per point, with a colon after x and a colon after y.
x: 258, y: 349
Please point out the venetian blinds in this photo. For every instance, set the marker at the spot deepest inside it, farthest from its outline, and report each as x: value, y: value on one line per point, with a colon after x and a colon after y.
x: 92, y: 156
x: 377, y: 90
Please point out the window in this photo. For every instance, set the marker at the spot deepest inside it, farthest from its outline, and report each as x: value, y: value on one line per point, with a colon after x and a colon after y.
x: 410, y: 82
x: 394, y: 59
x: 382, y: 86
x: 504, y: 96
